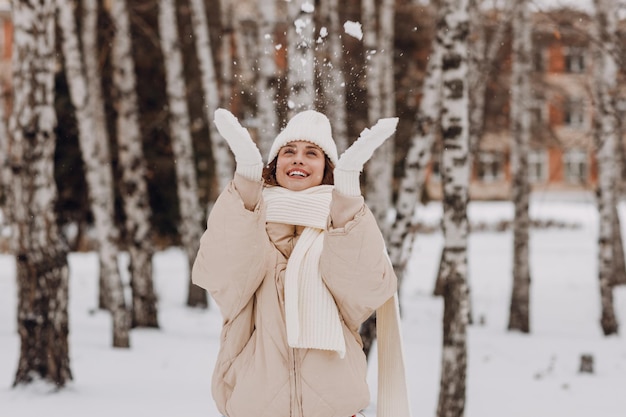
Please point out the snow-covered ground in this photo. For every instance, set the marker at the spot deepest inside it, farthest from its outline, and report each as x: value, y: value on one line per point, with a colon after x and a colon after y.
x: 167, y: 372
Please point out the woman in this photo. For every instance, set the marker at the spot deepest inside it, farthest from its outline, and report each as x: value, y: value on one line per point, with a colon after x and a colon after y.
x: 295, y: 264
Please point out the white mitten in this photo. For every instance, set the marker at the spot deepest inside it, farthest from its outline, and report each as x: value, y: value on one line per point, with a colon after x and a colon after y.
x: 247, y: 155
x: 351, y: 162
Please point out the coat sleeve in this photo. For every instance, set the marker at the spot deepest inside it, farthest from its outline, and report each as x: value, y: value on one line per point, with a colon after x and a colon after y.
x: 233, y: 252
x: 356, y: 269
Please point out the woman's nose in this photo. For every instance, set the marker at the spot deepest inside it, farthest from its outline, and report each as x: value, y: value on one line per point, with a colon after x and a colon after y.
x: 297, y: 159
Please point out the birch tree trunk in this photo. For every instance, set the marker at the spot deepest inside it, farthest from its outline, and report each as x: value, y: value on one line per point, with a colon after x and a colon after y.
x: 519, y: 312
x: 381, y: 96
x: 378, y: 44
x: 191, y: 214
x: 90, y: 51
x: 418, y: 156
x: 476, y: 55
x: 482, y: 57
x: 606, y: 128
x: 301, y: 59
x: 331, y: 73
x: 97, y: 160
x: 222, y: 157
x: 133, y: 164
x: 619, y: 263
x: 267, y: 78
x: 40, y: 250
x: 371, y: 49
x: 453, y: 29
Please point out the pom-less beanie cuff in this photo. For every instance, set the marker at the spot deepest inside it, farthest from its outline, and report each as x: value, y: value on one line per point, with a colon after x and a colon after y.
x: 310, y: 126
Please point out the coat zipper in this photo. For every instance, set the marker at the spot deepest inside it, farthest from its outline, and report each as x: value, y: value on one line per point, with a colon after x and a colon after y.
x: 296, y: 400
x: 296, y: 356
x: 292, y: 380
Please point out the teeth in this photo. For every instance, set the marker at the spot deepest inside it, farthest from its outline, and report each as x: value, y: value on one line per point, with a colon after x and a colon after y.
x: 297, y: 173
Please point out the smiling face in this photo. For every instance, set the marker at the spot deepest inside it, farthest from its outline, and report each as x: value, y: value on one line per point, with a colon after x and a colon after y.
x: 300, y: 165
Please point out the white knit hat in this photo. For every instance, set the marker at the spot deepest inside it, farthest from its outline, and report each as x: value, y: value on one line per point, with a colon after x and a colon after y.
x: 310, y: 126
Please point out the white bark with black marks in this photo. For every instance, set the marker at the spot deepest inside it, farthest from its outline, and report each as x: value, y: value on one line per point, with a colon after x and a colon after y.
x: 191, y: 215
x: 401, y: 238
x: 300, y: 56
x: 378, y: 36
x: 222, y: 157
x: 332, y: 76
x: 418, y: 156
x: 39, y: 248
x: 372, y: 60
x: 606, y: 128
x: 378, y: 44
x: 134, y: 187
x: 267, y: 77
x: 453, y: 28
x: 96, y: 157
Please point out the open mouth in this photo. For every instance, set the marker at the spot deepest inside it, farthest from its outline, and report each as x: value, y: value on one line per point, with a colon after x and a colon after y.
x: 296, y: 173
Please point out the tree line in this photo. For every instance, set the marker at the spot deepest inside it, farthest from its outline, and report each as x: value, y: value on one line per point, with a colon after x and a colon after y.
x: 86, y: 87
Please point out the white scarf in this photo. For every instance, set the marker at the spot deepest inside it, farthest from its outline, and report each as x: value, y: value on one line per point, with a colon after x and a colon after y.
x: 311, y: 313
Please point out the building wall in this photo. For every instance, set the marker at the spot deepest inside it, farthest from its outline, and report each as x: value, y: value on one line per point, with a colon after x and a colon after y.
x: 561, y: 83
x: 555, y: 166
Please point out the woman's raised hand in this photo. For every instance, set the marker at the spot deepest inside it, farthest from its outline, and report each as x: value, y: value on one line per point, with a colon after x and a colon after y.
x: 351, y: 162
x: 247, y: 155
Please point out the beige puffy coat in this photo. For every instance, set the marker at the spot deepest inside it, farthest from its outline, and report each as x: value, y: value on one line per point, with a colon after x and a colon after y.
x: 241, y: 262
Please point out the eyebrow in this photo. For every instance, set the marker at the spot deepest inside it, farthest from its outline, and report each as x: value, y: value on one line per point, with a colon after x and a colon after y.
x: 309, y: 146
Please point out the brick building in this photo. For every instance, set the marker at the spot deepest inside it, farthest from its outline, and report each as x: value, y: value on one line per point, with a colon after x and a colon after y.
x: 562, y: 149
